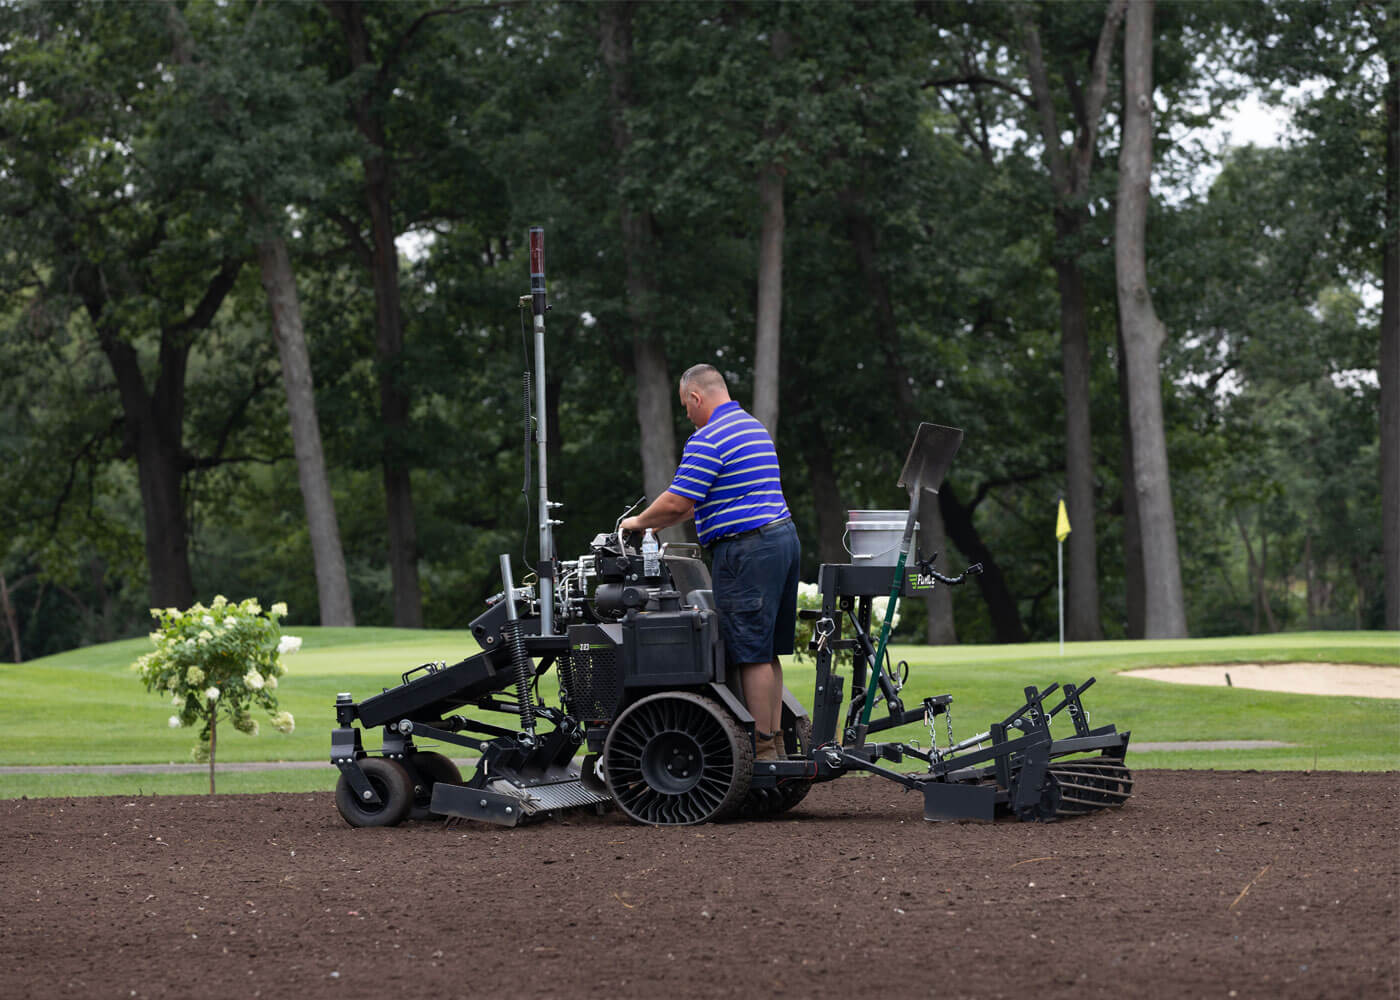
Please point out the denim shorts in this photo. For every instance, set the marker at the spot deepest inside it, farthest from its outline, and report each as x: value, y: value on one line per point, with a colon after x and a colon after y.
x: 755, y: 584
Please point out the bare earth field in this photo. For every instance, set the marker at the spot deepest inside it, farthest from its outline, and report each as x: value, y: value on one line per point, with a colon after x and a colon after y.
x: 1207, y: 884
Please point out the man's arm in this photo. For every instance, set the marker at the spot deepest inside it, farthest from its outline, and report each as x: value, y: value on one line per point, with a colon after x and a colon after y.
x: 667, y: 509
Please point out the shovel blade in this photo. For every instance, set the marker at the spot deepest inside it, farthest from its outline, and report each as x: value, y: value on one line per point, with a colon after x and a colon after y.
x: 930, y: 457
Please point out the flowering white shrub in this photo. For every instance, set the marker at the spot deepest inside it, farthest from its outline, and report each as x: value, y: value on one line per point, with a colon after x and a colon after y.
x: 808, y: 596
x: 218, y: 660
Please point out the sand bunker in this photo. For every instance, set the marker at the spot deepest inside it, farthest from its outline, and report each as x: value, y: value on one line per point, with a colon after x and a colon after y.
x: 1353, y: 680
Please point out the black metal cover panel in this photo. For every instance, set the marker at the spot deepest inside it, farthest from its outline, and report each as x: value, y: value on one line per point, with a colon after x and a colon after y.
x: 433, y: 695
x: 592, y: 679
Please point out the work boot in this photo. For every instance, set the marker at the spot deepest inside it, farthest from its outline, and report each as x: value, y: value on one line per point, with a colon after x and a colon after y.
x: 778, y: 746
x: 763, y: 746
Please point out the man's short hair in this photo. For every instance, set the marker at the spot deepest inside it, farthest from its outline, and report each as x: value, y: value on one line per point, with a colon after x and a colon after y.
x: 706, y: 378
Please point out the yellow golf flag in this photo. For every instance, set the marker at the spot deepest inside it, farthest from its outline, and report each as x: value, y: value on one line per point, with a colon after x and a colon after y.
x: 1062, y: 523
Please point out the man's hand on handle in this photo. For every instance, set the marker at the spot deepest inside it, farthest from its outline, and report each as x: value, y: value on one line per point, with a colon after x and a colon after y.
x: 667, y: 509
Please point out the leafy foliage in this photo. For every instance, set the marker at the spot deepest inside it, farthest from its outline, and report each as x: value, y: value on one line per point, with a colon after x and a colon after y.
x: 144, y: 147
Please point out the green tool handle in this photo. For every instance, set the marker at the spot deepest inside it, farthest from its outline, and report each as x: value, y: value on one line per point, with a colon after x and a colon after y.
x: 895, y: 588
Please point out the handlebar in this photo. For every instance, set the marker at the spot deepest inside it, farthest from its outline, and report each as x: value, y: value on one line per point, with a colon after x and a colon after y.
x: 926, y: 567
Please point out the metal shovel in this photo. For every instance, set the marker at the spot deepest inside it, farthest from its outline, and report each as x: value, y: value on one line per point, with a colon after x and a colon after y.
x: 928, y: 461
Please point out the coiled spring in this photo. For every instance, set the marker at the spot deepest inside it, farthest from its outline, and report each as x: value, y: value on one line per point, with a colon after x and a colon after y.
x: 520, y: 660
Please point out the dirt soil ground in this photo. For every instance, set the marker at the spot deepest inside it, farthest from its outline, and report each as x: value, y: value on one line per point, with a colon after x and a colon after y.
x: 1207, y: 884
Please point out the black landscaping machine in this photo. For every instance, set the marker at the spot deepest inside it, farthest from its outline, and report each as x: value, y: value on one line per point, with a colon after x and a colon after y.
x: 651, y: 720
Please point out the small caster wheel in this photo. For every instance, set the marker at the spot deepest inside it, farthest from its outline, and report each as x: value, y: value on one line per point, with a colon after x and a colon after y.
x: 391, y: 783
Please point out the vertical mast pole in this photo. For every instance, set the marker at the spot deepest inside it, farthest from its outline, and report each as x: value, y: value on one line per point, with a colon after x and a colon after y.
x: 538, y: 307
x: 1060, y: 589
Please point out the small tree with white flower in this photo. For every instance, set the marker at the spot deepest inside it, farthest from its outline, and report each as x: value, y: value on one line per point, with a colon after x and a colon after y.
x: 221, y: 660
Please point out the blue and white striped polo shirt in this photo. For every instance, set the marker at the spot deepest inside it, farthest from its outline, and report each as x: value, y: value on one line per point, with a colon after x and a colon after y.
x: 730, y: 469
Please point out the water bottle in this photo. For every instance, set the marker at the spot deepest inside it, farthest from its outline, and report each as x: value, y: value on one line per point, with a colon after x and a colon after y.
x: 651, y: 555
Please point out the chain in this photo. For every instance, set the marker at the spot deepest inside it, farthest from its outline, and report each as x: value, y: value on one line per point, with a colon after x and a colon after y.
x: 948, y: 721
x: 929, y: 720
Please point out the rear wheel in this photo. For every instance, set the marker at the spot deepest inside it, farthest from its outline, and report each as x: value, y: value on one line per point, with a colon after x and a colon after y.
x: 676, y: 759
x: 390, y: 782
x: 428, y: 769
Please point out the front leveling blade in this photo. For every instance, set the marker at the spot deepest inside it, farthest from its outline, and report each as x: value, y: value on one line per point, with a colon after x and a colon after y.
x: 948, y: 802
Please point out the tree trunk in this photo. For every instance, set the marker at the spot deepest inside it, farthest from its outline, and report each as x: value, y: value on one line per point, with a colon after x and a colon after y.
x: 860, y: 229
x: 768, y: 337
x: 1359, y: 577
x: 940, y: 629
x: 213, y: 742
x: 1390, y: 353
x: 1134, y: 584
x: 655, y: 393
x: 1143, y: 335
x: 827, y: 502
x: 1257, y: 569
x: 826, y: 496
x: 10, y: 622
x: 1082, y: 582
x: 332, y: 582
x: 1001, y: 605
x: 97, y: 574
x: 769, y: 310
x: 1262, y: 578
x: 1253, y: 568
x: 1312, y: 584
x: 388, y: 319
x: 153, y: 424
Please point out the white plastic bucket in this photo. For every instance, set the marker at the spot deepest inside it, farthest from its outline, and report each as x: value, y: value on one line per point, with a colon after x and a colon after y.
x: 875, y: 536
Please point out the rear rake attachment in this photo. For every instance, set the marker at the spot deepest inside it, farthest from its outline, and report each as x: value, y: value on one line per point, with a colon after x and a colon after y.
x: 1030, y: 775
x: 1080, y: 787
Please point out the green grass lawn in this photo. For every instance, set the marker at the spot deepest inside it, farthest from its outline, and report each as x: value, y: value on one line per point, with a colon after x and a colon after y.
x: 88, y: 707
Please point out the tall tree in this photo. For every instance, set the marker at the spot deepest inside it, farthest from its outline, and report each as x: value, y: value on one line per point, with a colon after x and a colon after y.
x: 378, y: 74
x: 1069, y: 176
x: 655, y: 392
x: 102, y: 231
x: 1143, y: 336
x: 279, y: 282
x: 772, y: 223
x: 1389, y: 30
x: 246, y: 90
x: 1355, y: 124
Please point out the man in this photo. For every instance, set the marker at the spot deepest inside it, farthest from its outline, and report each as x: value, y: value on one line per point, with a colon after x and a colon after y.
x: 729, y: 481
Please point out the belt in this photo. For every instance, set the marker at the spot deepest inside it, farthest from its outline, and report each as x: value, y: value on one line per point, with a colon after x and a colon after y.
x: 752, y: 531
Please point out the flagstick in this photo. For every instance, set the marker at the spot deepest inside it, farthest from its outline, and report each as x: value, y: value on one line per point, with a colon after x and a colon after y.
x: 1060, y: 565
